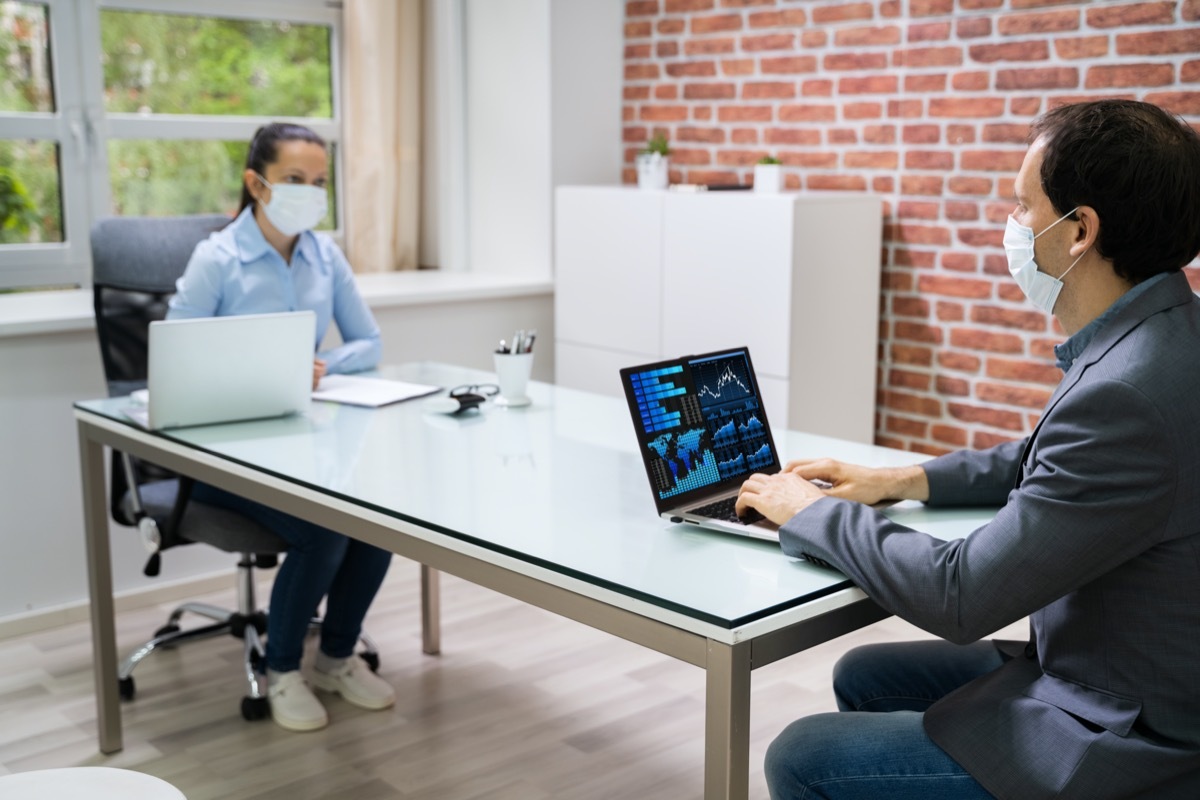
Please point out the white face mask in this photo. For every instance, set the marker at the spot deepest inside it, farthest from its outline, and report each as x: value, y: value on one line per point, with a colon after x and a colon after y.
x: 294, y: 207
x: 1041, y: 289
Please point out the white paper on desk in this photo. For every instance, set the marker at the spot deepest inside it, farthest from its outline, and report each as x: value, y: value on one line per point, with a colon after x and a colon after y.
x: 357, y: 390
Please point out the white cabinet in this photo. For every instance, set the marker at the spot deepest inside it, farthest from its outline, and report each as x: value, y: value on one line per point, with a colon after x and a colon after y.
x: 645, y: 275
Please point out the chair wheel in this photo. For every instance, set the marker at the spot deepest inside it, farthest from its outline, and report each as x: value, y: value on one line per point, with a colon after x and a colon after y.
x: 166, y: 630
x: 126, y: 688
x: 255, y: 708
x: 372, y: 660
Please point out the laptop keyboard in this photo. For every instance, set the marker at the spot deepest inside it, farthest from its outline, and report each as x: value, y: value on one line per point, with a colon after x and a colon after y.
x: 724, y: 510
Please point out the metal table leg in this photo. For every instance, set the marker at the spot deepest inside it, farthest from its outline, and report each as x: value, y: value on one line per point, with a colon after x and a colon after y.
x: 100, y: 592
x: 727, y: 722
x: 431, y: 611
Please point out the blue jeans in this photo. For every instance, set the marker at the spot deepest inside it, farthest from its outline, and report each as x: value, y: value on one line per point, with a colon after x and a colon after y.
x: 876, y: 746
x: 319, y: 563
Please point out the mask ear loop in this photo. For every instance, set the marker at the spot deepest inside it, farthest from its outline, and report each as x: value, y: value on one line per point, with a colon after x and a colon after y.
x: 1073, y: 263
x: 265, y: 183
x: 1060, y: 219
x: 1081, y: 255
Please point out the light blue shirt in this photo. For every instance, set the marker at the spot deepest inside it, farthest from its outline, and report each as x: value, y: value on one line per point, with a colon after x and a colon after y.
x: 1066, y: 353
x: 237, y: 271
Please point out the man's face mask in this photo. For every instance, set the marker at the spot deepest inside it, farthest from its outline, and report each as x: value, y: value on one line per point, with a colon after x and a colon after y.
x: 1041, y: 289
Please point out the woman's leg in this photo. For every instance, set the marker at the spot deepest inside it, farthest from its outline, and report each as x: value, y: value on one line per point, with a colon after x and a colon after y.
x: 313, y: 558
x: 350, y: 595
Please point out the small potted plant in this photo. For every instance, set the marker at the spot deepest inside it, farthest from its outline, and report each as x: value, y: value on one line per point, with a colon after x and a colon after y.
x: 768, y: 175
x: 652, y: 163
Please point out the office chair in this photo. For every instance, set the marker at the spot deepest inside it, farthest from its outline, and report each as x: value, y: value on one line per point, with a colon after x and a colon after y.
x: 135, y: 263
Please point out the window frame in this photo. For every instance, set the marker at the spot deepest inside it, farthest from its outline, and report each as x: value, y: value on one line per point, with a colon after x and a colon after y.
x: 53, y: 263
x: 83, y: 128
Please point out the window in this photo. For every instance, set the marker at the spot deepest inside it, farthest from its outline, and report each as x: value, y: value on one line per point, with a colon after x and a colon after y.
x: 145, y: 107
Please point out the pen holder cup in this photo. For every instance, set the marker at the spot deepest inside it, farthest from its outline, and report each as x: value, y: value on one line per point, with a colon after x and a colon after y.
x: 512, y: 375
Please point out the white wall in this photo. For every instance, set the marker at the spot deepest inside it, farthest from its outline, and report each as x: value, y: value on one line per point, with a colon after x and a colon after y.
x: 41, y: 512
x: 466, y: 332
x: 508, y: 135
x: 428, y: 255
x: 542, y: 109
x: 586, y: 73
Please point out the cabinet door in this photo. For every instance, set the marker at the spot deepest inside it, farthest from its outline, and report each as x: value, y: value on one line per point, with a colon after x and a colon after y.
x: 727, y: 276
x: 592, y: 369
x: 608, y: 285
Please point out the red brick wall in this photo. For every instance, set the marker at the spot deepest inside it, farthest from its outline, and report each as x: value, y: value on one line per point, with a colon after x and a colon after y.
x: 926, y: 103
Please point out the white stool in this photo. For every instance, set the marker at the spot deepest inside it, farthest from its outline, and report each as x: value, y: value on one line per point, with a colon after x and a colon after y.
x: 86, y: 783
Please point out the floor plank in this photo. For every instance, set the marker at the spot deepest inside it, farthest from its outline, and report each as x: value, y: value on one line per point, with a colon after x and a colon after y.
x: 520, y: 704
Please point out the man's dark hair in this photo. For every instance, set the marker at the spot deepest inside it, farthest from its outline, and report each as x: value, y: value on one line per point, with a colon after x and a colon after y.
x: 1139, y: 168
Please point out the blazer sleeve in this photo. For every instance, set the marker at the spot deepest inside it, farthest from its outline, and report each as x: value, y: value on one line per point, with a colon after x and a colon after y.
x: 1097, y: 491
x: 974, y: 477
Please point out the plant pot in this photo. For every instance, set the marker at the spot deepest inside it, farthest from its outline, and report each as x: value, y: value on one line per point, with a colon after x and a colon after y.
x: 652, y: 170
x: 768, y: 178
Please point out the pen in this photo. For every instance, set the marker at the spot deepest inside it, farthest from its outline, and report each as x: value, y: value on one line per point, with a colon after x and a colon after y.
x: 529, y: 337
x: 516, y: 342
x: 503, y: 348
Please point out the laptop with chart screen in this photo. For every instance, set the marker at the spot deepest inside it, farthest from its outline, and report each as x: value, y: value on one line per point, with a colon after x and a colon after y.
x: 702, y: 430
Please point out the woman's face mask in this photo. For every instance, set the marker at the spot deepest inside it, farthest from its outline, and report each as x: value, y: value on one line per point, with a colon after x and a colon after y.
x: 294, y: 207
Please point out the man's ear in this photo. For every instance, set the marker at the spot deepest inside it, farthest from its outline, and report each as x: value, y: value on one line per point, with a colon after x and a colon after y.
x: 1087, y: 232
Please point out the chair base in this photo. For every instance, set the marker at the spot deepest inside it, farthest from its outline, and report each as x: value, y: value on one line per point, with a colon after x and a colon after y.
x: 248, y: 625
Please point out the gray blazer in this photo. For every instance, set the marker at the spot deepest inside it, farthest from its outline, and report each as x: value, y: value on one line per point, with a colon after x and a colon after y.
x: 1098, y: 542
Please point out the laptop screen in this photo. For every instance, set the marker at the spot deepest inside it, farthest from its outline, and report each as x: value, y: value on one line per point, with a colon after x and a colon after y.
x: 700, y: 424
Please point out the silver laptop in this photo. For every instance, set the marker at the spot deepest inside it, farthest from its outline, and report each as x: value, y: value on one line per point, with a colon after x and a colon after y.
x: 227, y: 369
x: 702, y: 430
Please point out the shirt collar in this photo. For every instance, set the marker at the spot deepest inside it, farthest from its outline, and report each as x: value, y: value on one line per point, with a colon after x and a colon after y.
x: 252, y: 245
x: 1066, y: 353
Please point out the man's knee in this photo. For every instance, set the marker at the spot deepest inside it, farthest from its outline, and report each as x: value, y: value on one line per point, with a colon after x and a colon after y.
x: 856, y: 673
x: 800, y: 746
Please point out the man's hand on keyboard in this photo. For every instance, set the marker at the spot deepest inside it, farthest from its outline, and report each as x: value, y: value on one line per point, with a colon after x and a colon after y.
x: 777, y: 497
x: 869, y: 485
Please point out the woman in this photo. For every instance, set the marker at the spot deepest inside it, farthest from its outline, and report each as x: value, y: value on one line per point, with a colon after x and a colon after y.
x: 267, y: 260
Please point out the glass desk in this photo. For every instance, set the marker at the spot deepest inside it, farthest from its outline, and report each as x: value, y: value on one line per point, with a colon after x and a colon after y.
x: 549, y: 504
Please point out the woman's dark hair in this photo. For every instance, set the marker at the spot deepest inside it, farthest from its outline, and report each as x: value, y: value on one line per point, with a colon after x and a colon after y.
x: 1139, y: 168
x: 264, y: 149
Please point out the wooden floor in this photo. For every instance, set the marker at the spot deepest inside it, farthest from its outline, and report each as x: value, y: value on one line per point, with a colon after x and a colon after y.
x: 521, y: 704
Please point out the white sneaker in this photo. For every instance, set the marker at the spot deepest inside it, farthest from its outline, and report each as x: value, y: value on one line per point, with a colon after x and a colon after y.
x: 353, y: 680
x: 293, y: 705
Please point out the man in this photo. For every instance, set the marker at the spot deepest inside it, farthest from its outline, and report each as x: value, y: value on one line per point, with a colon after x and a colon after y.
x: 1098, y: 537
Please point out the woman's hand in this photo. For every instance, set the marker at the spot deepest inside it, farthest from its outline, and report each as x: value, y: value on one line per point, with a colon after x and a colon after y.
x: 318, y: 372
